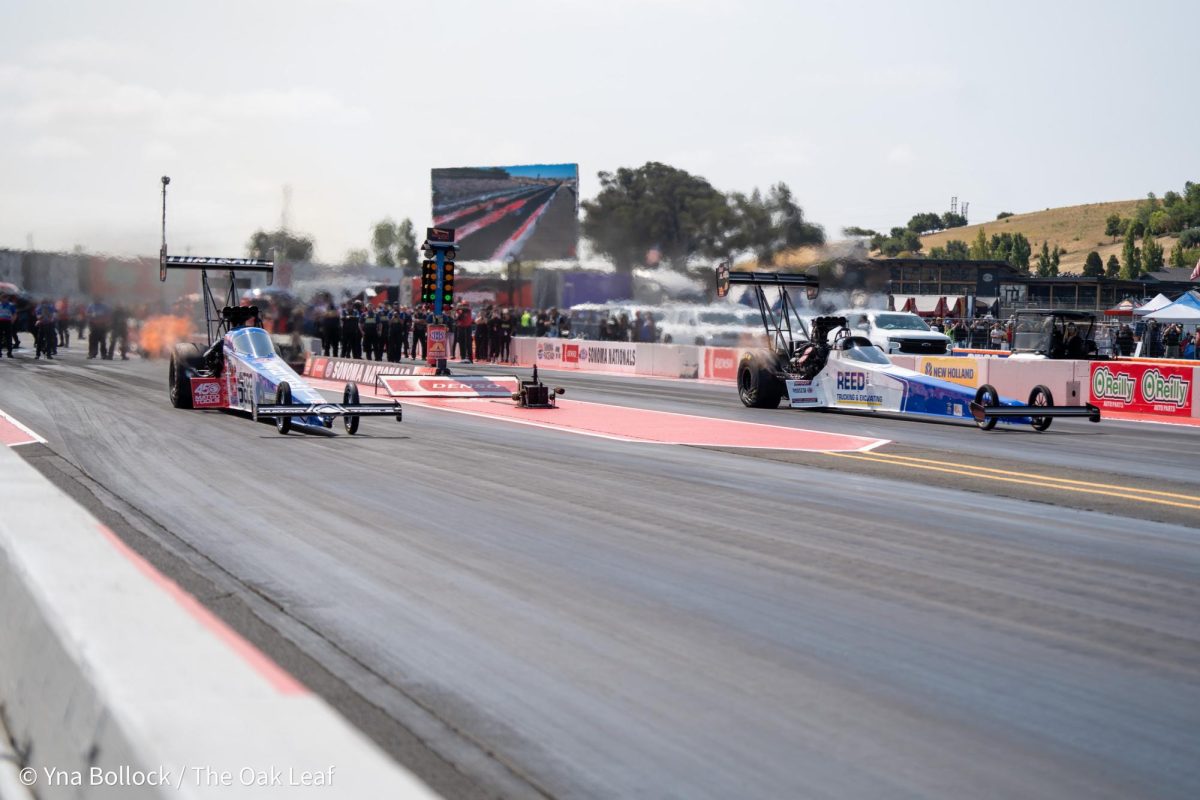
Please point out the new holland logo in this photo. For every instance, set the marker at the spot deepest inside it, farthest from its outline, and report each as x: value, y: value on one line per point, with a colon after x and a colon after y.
x: 1157, y: 388
x: 1109, y: 386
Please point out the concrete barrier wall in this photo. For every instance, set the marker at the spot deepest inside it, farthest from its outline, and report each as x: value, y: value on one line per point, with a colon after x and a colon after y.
x: 107, y: 665
x: 1068, y: 381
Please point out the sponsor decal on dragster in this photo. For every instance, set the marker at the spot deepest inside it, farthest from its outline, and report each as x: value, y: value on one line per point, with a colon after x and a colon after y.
x: 855, y: 388
x: 1146, y: 388
x: 936, y: 397
x: 802, y: 392
x: 208, y: 393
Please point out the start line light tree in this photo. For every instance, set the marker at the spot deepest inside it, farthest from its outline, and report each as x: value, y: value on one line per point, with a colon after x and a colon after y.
x: 437, y: 287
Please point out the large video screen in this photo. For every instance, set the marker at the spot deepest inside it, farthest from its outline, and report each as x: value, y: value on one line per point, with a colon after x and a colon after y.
x: 529, y: 212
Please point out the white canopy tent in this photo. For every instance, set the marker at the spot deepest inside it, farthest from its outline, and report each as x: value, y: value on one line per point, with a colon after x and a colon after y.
x: 1183, y: 313
x: 1161, y: 301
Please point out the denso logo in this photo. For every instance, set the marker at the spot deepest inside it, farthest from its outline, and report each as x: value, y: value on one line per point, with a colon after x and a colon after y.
x: 851, y: 381
x: 722, y: 363
x: 1107, y: 386
x: 1159, y: 389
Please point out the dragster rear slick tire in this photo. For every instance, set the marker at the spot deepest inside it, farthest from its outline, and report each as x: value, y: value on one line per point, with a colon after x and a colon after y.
x: 283, y: 397
x: 987, y: 395
x: 1040, y: 396
x: 350, y: 398
x: 758, y: 385
x: 185, y: 357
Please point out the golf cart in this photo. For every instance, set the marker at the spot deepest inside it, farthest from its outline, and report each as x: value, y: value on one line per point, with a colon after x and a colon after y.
x: 1045, y: 333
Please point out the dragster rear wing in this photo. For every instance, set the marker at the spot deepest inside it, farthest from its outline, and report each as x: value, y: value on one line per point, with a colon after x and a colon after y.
x: 781, y: 279
x: 166, y: 262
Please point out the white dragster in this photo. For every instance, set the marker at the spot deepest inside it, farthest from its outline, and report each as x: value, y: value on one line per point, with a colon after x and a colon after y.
x: 827, y: 367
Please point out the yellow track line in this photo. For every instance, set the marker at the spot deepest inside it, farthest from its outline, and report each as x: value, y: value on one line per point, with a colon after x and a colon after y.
x: 1140, y: 498
x: 1038, y: 476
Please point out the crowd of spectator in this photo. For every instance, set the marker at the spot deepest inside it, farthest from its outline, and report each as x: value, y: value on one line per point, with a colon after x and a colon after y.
x: 49, y: 324
x: 1158, y: 340
x: 375, y: 331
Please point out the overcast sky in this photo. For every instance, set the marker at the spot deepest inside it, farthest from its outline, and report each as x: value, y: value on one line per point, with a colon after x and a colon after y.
x: 870, y: 111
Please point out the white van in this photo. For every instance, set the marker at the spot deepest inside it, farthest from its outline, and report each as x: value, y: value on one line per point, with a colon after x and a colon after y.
x: 896, y: 331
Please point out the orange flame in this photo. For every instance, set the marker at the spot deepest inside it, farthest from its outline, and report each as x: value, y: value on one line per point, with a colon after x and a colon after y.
x: 158, y: 335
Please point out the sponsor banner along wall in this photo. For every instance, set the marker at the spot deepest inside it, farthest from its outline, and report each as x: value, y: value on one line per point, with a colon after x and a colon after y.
x: 582, y: 354
x: 354, y: 371
x: 1163, y: 389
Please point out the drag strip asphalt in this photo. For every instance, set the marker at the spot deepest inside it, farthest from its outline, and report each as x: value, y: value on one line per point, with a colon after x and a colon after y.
x: 515, y: 611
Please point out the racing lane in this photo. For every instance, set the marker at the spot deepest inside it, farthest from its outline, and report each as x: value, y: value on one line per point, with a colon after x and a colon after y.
x: 594, y: 618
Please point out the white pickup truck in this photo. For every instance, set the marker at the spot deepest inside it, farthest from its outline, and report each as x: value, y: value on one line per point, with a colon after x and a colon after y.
x: 896, y: 331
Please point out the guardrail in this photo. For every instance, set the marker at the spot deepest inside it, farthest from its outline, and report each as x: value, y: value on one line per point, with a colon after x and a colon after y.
x: 116, y: 683
x: 1071, y: 382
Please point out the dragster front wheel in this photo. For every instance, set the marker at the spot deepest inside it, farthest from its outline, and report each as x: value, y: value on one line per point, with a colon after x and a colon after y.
x: 1040, y: 396
x: 985, y: 396
x: 350, y: 398
x: 283, y: 397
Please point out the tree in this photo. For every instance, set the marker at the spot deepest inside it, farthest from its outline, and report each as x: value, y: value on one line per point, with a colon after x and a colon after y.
x: 383, y: 242
x: 1000, y: 246
x: 1131, y: 257
x: 925, y: 223
x: 286, y: 245
x: 1093, y: 267
x: 770, y: 225
x: 1152, y: 253
x: 952, y: 220
x: 1043, y: 268
x: 958, y: 250
x: 979, y: 248
x: 1004, y: 215
x: 1178, y: 259
x: 406, y: 247
x: 357, y: 257
x: 1114, y: 225
x: 1112, y: 269
x: 656, y: 205
x: 1021, y: 251
x: 898, y: 240
x: 1055, y: 257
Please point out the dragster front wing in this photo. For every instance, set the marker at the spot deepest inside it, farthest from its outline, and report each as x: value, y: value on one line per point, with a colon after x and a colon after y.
x: 981, y: 412
x: 330, y: 410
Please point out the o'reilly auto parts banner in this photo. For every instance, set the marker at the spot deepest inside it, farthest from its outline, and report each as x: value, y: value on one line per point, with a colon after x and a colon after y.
x: 1143, y: 388
x: 578, y: 354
